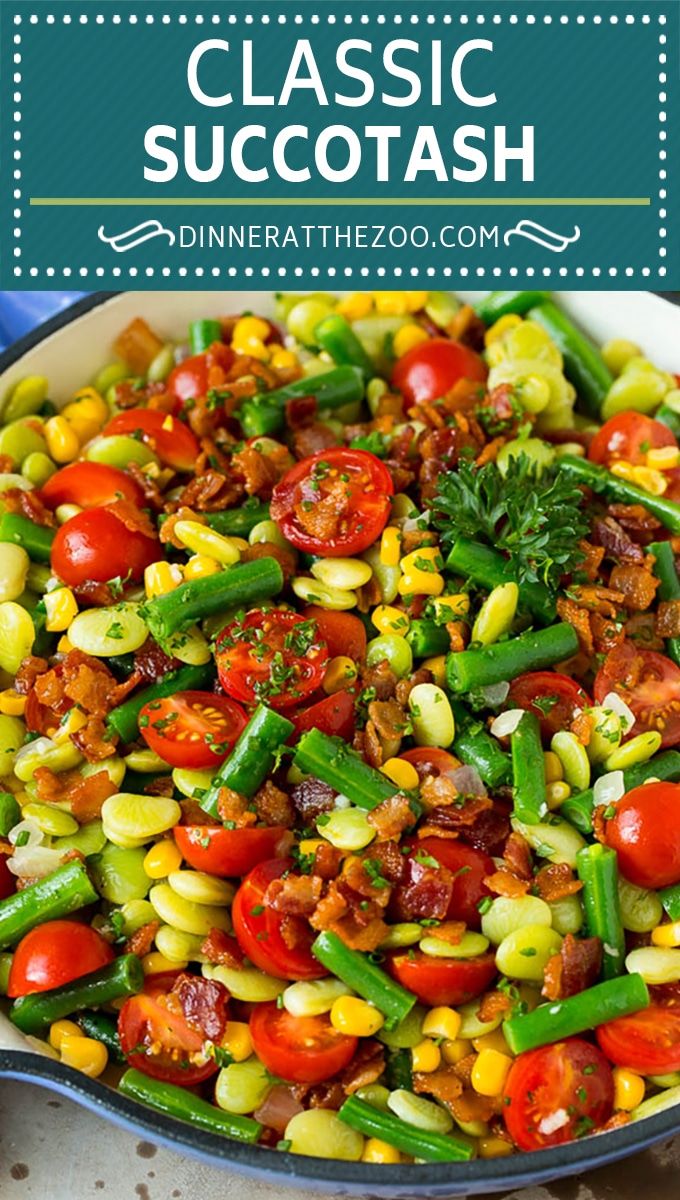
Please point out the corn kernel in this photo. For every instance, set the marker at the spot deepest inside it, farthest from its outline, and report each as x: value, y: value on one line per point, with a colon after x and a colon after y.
x: 356, y: 1017
x: 556, y: 793
x: 390, y: 546
x: 92, y: 403
x: 63, y: 443
x: 377, y: 1151
x: 421, y: 583
x: 282, y: 359
x: 61, y: 607
x: 61, y: 1029
x: 552, y: 767
x: 451, y: 608
x: 666, y: 935
x: 407, y: 337
x: 12, y: 703
x: 437, y: 667
x: 453, y: 1051
x: 401, y: 772
x: 340, y: 672
x: 161, y: 859
x: 495, y: 1040
x: 493, y: 1147
x: 161, y: 577
x: 415, y: 301
x: 83, y: 426
x: 64, y: 645
x: 251, y: 327
x: 442, y: 1022
x: 156, y: 964
x: 426, y: 558
x: 652, y: 481
x: 426, y: 1056
x: 629, y: 1089
x: 388, y: 619
x: 390, y: 304
x: 356, y: 306
x: 200, y: 565
x: 663, y: 458
x: 84, y: 1054
x: 237, y: 1040
x: 75, y: 720
x: 311, y: 845
x: 490, y: 1072
x: 501, y: 327
x: 622, y: 468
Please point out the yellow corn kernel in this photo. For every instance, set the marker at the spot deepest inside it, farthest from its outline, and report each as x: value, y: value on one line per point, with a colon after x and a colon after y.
x: 63, y: 443
x: 490, y: 1072
x: 377, y: 1151
x: 61, y: 1029
x: 356, y: 1017
x: 452, y: 608
x: 200, y: 565
x: 629, y: 1089
x: 552, y: 767
x: 442, y: 1022
x: 663, y: 458
x: 455, y: 1050
x: 388, y: 619
x: 390, y: 546
x: 437, y: 666
x: 557, y: 793
x: 75, y: 720
x: 353, y: 307
x: 61, y: 607
x: 622, y: 468
x: 421, y: 583
x: 652, y: 481
x: 201, y: 539
x: 84, y: 1054
x: 282, y: 359
x: 161, y: 859
x: 495, y: 1040
x: 250, y: 327
x: 156, y: 963
x: 415, y: 301
x: 311, y: 845
x: 407, y: 337
x: 64, y: 646
x: 401, y: 772
x: 501, y: 327
x: 391, y: 304
x: 493, y: 1147
x: 426, y: 1056
x: 12, y: 703
x: 426, y: 558
x: 92, y: 403
x: 161, y: 577
x: 237, y: 1040
x: 339, y: 673
x: 666, y: 935
x: 83, y: 426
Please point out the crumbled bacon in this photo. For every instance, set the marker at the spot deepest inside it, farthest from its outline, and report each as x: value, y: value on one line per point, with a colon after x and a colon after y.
x: 450, y: 931
x: 504, y: 883
x: 167, y: 530
x: 297, y: 895
x: 592, y: 559
x: 84, y: 795
x: 381, y: 678
x: 28, y: 504
x: 517, y: 855
x: 93, y: 740
x: 137, y: 345
x: 391, y: 817
x: 327, y: 861
x: 31, y: 667
x: 357, y: 921
x: 152, y: 663
x: 568, y: 610
x: 294, y: 931
x: 575, y: 968
x: 636, y: 584
x: 311, y: 798
x: 488, y: 831
x: 406, y: 686
x: 556, y: 881
x: 235, y: 809
x: 203, y: 1003
x: 614, y: 539
x: 470, y: 1106
x: 492, y: 1004
x: 369, y: 745
x: 425, y: 891
x: 443, y: 1084
x: 273, y: 806
x: 388, y: 718
x: 667, y: 624
x: 365, y: 1068
x: 324, y: 517
x: 635, y: 518
x: 312, y: 439
x: 141, y: 941
x: 223, y: 949
x: 211, y: 492
x: 260, y: 472
x: 284, y: 557
x: 93, y: 594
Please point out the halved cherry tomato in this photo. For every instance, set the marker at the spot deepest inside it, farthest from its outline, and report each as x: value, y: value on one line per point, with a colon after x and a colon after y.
x: 342, y: 632
x: 645, y: 832
x: 90, y: 485
x: 192, y: 729
x: 56, y: 953
x: 230, y: 852
x: 157, y: 1039
x: 334, y: 715
x: 333, y: 503
x: 442, y: 980
x: 646, y: 1041
x: 431, y: 369
x: 274, y: 656
x: 258, y: 928
x: 469, y: 868
x: 168, y: 436
x: 299, y: 1049
x: 194, y: 378
x: 7, y: 880
x: 554, y: 698
x: 629, y: 435
x: 650, y: 685
x: 557, y: 1093
x: 97, y: 545
x: 430, y: 760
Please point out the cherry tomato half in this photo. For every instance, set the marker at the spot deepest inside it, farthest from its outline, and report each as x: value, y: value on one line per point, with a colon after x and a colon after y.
x: 557, y: 1093
x: 431, y: 369
x: 230, y: 852
x: 55, y: 953
x: 258, y: 929
x: 275, y: 656
x: 430, y: 760
x: 90, y: 485
x: 169, y: 438
x: 299, y: 1049
x: 645, y: 832
x: 97, y: 545
x: 469, y: 868
x: 442, y: 980
x: 192, y: 729
x: 157, y: 1039
x: 342, y: 632
x: 7, y: 879
x: 194, y: 377
x: 334, y: 715
x: 650, y: 685
x: 646, y: 1041
x: 629, y: 435
x: 554, y: 698
x: 333, y: 503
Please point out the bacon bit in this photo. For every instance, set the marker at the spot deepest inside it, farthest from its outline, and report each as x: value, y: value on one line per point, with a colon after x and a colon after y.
x: 667, y: 623
x: 294, y: 931
x: 634, y: 517
x: 93, y: 594
x: 311, y: 798
x: 391, y: 404
x: 73, y: 856
x: 203, y: 1003
x: 470, y: 1106
x: 167, y: 529
x: 582, y: 727
x: 322, y: 1095
x: 300, y: 411
x: 489, y: 831
x: 459, y: 634
x: 232, y: 807
x: 569, y: 611
x: 324, y: 518
x: 92, y: 740
x: 297, y: 895
x: 278, y: 1108
x: 28, y: 504
x: 637, y: 586
x: 223, y: 949
x: 443, y: 1084
x: 327, y: 861
x: 365, y: 1068
x: 193, y: 814
x: 161, y: 786
x: 259, y: 471
x: 137, y: 345
x: 556, y: 881
x: 614, y: 539
x: 368, y: 596
x: 574, y: 969
x: 6, y: 464
x: 142, y: 939
x: 517, y: 855
x: 616, y: 1121
x: 463, y: 1068
x: 606, y: 634
x: 371, y: 745
x: 211, y: 492
x: 273, y: 806
x: 406, y: 686
x: 84, y: 796
x: 31, y: 668
x: 492, y: 1004
x: 313, y: 439
x: 284, y: 557
x: 389, y: 858
x: 592, y: 558
x: 381, y: 678
x: 391, y: 817
x: 150, y: 489
x: 490, y: 452
x: 467, y: 327
x: 450, y: 931
x: 600, y: 823
x: 389, y: 719
x: 438, y: 791
x: 341, y: 911
x: 133, y: 518
x: 441, y: 449
x: 598, y: 599
x: 152, y: 663
x: 504, y: 883
x: 425, y: 892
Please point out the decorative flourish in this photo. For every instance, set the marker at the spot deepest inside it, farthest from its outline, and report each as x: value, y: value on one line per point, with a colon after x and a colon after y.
x: 130, y: 238
x: 557, y: 242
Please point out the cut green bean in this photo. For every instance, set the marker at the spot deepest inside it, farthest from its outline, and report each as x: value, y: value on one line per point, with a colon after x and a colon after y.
x: 427, y: 639
x: 528, y: 771
x: 500, y: 304
x: 431, y: 1147
x: 203, y: 333
x: 583, y: 363
x: 64, y: 891
x: 252, y: 758
x: 503, y: 661
x: 265, y: 414
x: 399, y: 1072
x: 565, y: 1018
x: 104, y: 1029
x: 670, y: 418
x: 10, y: 813
x: 335, y: 763
x: 578, y: 809
x: 670, y: 898
x: 669, y: 586
x: 620, y: 490
x: 362, y: 976
x: 177, y: 1102
x: 597, y: 869
x: 335, y: 335
x: 243, y: 584
x: 475, y: 747
x: 488, y: 568
x: 124, y: 720
x: 36, y: 540
x: 238, y: 522
x: 36, y: 1012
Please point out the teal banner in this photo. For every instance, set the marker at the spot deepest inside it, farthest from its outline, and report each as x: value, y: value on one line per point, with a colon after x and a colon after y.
x: 179, y: 145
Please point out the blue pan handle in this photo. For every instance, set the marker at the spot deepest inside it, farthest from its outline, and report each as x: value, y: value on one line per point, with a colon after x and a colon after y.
x: 22, y: 311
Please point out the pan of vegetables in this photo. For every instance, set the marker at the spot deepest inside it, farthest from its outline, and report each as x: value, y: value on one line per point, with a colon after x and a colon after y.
x: 340, y: 729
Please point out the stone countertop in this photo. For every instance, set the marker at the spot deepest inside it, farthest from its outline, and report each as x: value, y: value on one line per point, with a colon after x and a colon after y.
x: 50, y: 1149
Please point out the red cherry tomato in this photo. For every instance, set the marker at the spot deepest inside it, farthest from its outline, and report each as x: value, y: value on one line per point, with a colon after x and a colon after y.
x: 258, y: 928
x: 646, y: 1041
x: 56, y: 953
x: 557, y: 1093
x: 554, y: 698
x: 629, y: 435
x: 442, y: 980
x: 7, y: 880
x: 645, y: 832
x: 430, y: 760
x: 192, y: 729
x: 469, y: 868
x: 334, y: 716
x: 342, y: 632
x: 97, y: 545
x: 230, y: 852
x: 431, y: 369
x: 650, y: 685
x: 194, y: 378
x: 274, y: 656
x: 168, y: 436
x: 90, y: 485
x: 157, y: 1039
x: 333, y: 503
x: 299, y: 1049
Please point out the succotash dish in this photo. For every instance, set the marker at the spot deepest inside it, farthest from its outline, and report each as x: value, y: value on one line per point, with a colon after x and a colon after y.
x: 338, y: 726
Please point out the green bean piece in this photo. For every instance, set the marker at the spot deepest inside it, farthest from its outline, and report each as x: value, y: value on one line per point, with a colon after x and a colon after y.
x: 427, y: 639
x: 470, y: 669
x: 500, y: 304
x: 670, y: 418
x: 252, y: 758
x: 431, y: 1147
x: 36, y: 540
x: 620, y: 490
x: 563, y: 1018
x: 398, y: 1072
x: 359, y: 973
x: 202, y: 334
x: 335, y: 335
x: 488, y: 568
x: 583, y: 363
x: 669, y: 586
x: 265, y: 414
x: 36, y: 1012
x: 177, y: 1102
x: 335, y: 763
x: 238, y: 522
x: 528, y: 771
x: 475, y: 747
x: 10, y: 813
x: 102, y: 1028
x: 670, y: 898
x: 244, y: 584
x: 64, y: 891
x: 124, y: 720
x: 578, y: 809
x: 598, y: 871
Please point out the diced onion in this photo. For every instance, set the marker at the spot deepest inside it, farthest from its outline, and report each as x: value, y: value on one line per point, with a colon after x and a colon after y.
x: 506, y: 723
x: 29, y: 862
x: 495, y: 693
x: 35, y: 834
x: 614, y: 702
x: 468, y: 781
x: 609, y: 788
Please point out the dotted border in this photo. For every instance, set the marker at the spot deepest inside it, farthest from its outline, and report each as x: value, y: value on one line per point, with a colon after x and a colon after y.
x: 348, y: 19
